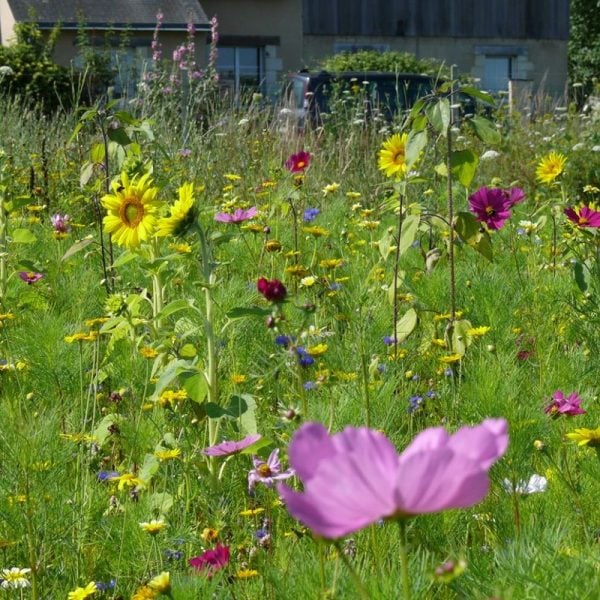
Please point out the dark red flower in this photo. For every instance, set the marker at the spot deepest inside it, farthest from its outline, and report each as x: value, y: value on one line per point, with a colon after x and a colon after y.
x: 298, y: 163
x: 211, y: 561
x: 272, y: 290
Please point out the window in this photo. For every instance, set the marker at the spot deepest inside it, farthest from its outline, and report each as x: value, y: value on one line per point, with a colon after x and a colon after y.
x: 497, y: 73
x: 240, y: 68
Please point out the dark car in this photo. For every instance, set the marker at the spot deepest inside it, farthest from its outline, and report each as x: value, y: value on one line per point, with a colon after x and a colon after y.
x: 310, y: 96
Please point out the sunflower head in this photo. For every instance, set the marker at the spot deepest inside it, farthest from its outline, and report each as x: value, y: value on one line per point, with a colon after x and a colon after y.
x: 131, y: 210
x: 182, y: 214
x: 392, y: 156
x: 550, y: 167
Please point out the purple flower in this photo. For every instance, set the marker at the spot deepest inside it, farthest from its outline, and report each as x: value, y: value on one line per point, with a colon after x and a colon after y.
x: 389, y: 340
x: 228, y: 448
x: 61, y: 223
x: 185, y: 152
x: 267, y: 472
x: 238, y: 216
x: 491, y: 206
x: 211, y: 561
x: 304, y: 358
x: 30, y: 277
x: 571, y: 405
x: 310, y: 214
x: 273, y: 290
x: 354, y: 478
x: 583, y: 216
x: 514, y: 196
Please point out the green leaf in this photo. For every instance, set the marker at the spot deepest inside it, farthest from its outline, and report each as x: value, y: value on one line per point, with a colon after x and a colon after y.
x: 174, y: 307
x: 77, y: 246
x: 102, y: 433
x: 160, y: 502
x: 410, y: 226
x: 463, y: 164
x: 214, y: 411
x: 460, y: 341
x: 86, y: 173
x: 438, y: 114
x: 149, y: 468
x: 98, y: 153
x: 399, y: 282
x: 187, y: 351
x: 406, y: 325
x: 119, y: 136
x: 479, y: 94
x: 125, y: 257
x: 416, y: 142
x: 172, y: 371
x: 469, y: 230
x: 485, y: 130
x: 419, y: 123
x: 23, y: 236
x: 385, y: 245
x: 197, y: 387
x: 582, y: 276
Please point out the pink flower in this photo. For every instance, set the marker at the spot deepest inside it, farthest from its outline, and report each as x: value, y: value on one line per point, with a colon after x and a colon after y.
x: 29, y: 277
x: 514, y: 196
x: 238, y: 216
x: 211, y: 561
x: 297, y: 163
x: 356, y: 477
x: 61, y: 223
x: 272, y: 290
x: 490, y: 205
x: 583, y: 216
x: 228, y: 448
x: 560, y: 405
x: 267, y: 472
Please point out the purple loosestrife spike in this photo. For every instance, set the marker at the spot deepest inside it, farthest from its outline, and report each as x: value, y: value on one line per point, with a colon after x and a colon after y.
x: 355, y: 478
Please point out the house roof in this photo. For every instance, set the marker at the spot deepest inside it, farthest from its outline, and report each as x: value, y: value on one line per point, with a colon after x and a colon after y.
x: 111, y: 14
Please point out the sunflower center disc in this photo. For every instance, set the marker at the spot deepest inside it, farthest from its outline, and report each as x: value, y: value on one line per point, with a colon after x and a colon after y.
x: 132, y: 212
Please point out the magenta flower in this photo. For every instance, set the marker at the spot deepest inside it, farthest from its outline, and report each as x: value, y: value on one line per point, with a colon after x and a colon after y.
x: 267, y: 472
x: 298, y: 163
x: 490, y: 205
x: 356, y: 477
x: 583, y: 216
x: 228, y: 448
x: 514, y: 196
x: 61, y: 223
x: 29, y: 277
x: 272, y: 290
x: 238, y: 216
x: 571, y: 405
x: 211, y: 561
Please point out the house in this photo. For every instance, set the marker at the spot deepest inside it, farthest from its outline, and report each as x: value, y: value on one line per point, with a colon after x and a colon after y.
x: 495, y: 41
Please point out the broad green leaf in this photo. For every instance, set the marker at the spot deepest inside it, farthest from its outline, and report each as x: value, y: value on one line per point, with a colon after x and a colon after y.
x: 254, y: 448
x: 86, y: 173
x: 197, y: 387
x: 385, y: 245
x: 410, y: 226
x: 77, y: 246
x: 160, y: 502
x: 475, y: 93
x: 419, y: 123
x: 416, y: 142
x: 98, y: 153
x: 582, y: 276
x: 119, y: 136
x: 406, y: 325
x: 470, y: 231
x: 438, y: 114
x: 399, y: 282
x: 125, y: 257
x: 187, y: 351
x: 485, y: 130
x: 174, y: 307
x: 463, y: 164
x: 23, y: 236
x: 172, y: 371
x: 214, y: 411
x: 149, y: 468
x: 441, y: 169
x: 102, y: 433
x: 460, y: 340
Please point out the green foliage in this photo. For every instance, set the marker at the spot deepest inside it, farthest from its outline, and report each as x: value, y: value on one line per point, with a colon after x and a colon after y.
x: 584, y: 45
x: 371, y: 60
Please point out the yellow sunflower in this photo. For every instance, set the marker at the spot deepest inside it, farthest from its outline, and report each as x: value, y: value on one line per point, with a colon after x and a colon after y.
x: 550, y: 167
x: 392, y: 156
x: 182, y: 213
x: 585, y: 437
x: 131, y: 210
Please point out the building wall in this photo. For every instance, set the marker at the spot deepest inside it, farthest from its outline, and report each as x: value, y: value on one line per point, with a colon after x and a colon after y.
x: 7, y: 23
x: 276, y: 25
x: 542, y: 62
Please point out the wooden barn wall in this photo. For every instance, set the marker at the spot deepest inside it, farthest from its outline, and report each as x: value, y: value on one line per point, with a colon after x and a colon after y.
x: 535, y: 19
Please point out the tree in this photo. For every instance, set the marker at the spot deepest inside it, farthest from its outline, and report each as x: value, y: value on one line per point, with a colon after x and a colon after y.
x: 584, y: 45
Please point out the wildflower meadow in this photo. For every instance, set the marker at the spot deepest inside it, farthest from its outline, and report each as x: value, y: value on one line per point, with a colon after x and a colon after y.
x: 239, y: 360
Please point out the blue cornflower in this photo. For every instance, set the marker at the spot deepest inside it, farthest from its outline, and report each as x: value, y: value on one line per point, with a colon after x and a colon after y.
x: 304, y: 358
x: 173, y: 554
x: 389, y: 340
x: 414, y: 403
x: 335, y: 286
x: 106, y: 475
x: 283, y: 340
x: 309, y: 385
x: 431, y: 394
x: 104, y: 587
x: 310, y: 214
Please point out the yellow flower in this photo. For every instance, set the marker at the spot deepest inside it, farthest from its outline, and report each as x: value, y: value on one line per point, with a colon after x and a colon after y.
x: 585, y: 437
x: 232, y: 177
x: 392, y: 159
x: 478, y: 331
x: 144, y: 593
x: 550, y: 167
x: 353, y: 195
x: 131, y: 210
x: 246, y: 574
x: 82, y: 337
x: 182, y: 213
x: 317, y: 350
x: 450, y: 358
x: 237, y: 378
x: 439, y: 342
x: 171, y: 397
x: 308, y: 281
x: 316, y: 231
x: 153, y: 527
x: 251, y: 512
x: 161, y: 583
x: 297, y: 270
x: 331, y: 263
x: 181, y: 248
x: 273, y: 246
x: 148, y: 352
x: 127, y: 479
x: 95, y: 321
x: 82, y: 593
x: 209, y: 535
x: 78, y: 437
x: 6, y: 316
x: 168, y: 453
x: 330, y: 188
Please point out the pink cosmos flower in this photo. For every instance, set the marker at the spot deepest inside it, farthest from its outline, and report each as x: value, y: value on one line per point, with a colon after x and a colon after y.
x: 238, y: 216
x: 560, y: 405
x: 211, y: 561
x: 29, y: 277
x: 298, y: 163
x: 514, y: 196
x: 491, y: 206
x: 267, y: 472
x: 583, y: 216
x: 228, y: 448
x: 356, y: 477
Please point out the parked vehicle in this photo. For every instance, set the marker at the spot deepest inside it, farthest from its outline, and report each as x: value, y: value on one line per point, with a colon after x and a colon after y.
x: 310, y: 96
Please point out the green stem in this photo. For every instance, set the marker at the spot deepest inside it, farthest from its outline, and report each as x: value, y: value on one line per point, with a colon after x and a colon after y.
x: 360, y: 588
x: 3, y: 249
x: 365, y: 374
x: 404, y: 560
